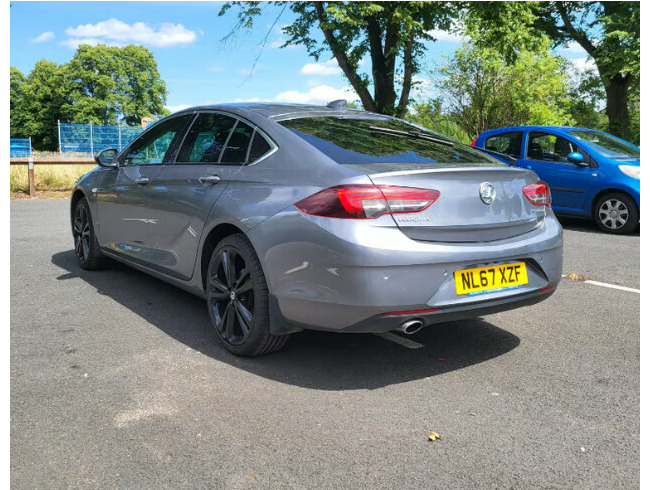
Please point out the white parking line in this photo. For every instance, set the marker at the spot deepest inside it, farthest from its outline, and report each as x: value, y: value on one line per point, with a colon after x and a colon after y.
x: 409, y: 344
x: 612, y: 286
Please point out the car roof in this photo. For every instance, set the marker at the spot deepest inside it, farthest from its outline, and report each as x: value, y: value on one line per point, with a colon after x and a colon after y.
x: 536, y: 128
x: 279, y: 111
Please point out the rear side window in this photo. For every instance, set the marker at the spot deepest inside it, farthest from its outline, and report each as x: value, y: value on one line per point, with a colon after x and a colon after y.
x: 206, y: 139
x: 369, y: 141
x: 259, y: 147
x: 237, y: 144
x: 508, y: 143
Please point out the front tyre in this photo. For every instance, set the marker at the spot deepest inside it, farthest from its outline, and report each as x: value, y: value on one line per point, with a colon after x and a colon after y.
x: 86, y: 247
x: 238, y: 299
x: 617, y: 213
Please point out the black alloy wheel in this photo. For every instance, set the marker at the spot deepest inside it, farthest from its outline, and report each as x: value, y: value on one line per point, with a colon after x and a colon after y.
x: 86, y: 247
x: 238, y: 299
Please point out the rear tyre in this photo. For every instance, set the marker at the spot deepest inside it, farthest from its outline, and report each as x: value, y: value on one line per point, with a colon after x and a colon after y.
x: 238, y: 299
x: 616, y: 213
x: 86, y: 247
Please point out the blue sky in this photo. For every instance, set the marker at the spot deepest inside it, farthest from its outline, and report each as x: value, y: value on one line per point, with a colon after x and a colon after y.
x: 185, y: 38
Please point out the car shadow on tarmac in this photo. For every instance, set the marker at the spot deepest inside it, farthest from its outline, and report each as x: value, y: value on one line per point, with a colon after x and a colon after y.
x: 318, y: 360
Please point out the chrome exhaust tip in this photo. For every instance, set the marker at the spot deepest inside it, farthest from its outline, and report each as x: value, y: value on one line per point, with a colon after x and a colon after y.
x: 409, y: 327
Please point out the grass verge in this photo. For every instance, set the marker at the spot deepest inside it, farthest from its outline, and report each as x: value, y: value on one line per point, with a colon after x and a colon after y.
x: 47, y: 177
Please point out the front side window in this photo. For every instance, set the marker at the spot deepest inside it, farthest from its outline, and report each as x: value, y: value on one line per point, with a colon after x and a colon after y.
x: 154, y: 146
x: 508, y: 143
x: 549, y: 148
x: 370, y: 141
x: 607, y: 145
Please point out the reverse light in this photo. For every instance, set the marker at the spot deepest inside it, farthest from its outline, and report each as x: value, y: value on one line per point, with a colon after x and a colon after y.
x: 366, y: 201
x: 538, y: 194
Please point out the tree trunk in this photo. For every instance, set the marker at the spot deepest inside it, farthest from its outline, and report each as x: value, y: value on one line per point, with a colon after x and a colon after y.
x: 617, y: 110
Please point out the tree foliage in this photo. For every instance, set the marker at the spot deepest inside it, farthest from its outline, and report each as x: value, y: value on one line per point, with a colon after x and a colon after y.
x: 111, y: 84
x: 391, y: 33
x: 431, y: 115
x: 100, y: 85
x: 484, y: 91
x: 36, y: 102
x: 608, y: 31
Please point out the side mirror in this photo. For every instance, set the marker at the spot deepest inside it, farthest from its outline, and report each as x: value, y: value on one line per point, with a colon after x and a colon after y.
x: 107, y: 157
x: 577, y: 159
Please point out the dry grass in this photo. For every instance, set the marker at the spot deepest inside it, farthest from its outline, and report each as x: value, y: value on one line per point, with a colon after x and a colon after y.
x: 47, y: 177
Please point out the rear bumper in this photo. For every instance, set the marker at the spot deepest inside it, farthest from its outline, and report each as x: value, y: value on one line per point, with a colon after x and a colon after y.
x: 345, y: 275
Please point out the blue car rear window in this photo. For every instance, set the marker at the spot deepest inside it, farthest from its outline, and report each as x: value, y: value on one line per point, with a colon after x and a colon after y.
x: 363, y: 141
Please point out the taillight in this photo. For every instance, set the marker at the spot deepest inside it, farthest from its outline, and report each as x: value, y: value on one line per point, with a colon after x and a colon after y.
x: 473, y: 142
x: 538, y: 194
x: 365, y: 201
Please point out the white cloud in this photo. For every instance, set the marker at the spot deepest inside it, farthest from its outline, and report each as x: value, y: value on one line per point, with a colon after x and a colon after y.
x: 583, y: 64
x: 321, y: 94
x: 447, y: 36
x: 330, y: 67
x: 176, y: 108
x: 216, y: 69
x: 46, y: 36
x: 573, y: 48
x: 116, y: 32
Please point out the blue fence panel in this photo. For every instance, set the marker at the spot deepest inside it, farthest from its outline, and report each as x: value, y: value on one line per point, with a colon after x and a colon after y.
x: 89, y: 139
x: 19, y: 147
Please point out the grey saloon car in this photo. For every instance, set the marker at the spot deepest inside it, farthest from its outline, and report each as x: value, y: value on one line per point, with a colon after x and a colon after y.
x: 292, y: 217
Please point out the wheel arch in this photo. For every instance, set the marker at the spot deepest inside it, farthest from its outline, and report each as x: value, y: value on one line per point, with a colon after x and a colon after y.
x: 77, y: 196
x: 214, y: 236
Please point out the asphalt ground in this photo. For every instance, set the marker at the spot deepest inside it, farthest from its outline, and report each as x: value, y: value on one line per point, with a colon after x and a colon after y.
x: 117, y: 382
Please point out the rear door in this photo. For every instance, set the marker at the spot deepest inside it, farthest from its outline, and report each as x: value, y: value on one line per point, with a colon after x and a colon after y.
x: 180, y: 198
x: 546, y: 154
x: 123, y: 201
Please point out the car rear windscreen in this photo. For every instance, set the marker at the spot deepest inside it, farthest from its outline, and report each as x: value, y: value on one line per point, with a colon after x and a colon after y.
x: 367, y: 141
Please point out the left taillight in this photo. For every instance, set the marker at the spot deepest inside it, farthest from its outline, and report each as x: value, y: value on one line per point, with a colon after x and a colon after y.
x: 538, y: 194
x: 366, y: 201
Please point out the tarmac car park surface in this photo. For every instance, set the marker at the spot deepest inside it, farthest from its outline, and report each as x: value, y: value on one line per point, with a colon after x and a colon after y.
x: 117, y: 382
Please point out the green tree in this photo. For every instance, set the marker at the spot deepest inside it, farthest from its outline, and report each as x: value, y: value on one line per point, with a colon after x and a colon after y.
x: 36, y: 104
x: 486, y: 92
x: 108, y: 85
x: 608, y: 31
x: 16, y: 82
x: 430, y: 115
x: 392, y: 33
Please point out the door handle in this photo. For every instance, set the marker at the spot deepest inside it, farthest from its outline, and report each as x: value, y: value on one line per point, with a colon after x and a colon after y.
x: 142, y: 181
x: 210, y: 179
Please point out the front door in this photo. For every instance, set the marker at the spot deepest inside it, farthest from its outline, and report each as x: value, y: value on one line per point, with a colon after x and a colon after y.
x: 123, y: 199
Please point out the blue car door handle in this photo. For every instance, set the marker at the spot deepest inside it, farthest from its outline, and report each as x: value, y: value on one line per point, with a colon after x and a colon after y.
x: 143, y: 181
x: 210, y: 179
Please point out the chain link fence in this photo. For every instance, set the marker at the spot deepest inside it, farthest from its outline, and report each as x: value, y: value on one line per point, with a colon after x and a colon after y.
x: 20, y: 147
x: 88, y: 139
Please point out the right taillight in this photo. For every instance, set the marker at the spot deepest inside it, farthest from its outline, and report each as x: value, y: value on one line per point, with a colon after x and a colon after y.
x: 538, y: 194
x: 365, y: 201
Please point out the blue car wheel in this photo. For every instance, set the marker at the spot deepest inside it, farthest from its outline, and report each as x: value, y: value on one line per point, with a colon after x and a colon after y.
x: 616, y: 213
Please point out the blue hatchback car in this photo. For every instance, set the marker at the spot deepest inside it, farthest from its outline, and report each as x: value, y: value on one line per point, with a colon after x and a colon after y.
x: 591, y: 174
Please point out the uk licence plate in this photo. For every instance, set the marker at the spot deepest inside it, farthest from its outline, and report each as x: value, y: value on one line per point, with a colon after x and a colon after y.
x: 485, y: 279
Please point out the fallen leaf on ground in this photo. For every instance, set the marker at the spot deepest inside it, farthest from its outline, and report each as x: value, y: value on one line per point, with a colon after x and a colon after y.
x: 434, y: 436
